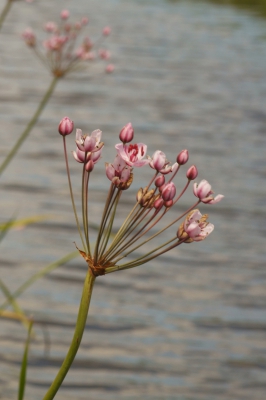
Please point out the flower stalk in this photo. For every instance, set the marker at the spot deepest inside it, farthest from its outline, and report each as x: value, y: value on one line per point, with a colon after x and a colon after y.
x: 77, y: 336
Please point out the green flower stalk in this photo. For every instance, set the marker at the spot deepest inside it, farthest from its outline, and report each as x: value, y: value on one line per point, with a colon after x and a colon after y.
x: 140, y: 226
x: 80, y: 326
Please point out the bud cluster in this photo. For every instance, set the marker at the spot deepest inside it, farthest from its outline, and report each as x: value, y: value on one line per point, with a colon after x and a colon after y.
x: 152, y: 202
x: 61, y: 55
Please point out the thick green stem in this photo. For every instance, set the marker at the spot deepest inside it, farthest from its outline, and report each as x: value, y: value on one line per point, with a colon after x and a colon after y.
x: 80, y: 326
x: 30, y: 125
x: 5, y: 12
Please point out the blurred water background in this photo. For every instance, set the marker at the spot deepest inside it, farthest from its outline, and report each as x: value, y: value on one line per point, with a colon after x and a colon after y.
x: 192, y: 324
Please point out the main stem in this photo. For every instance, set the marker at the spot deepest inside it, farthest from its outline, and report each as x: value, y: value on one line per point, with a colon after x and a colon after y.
x: 5, y: 12
x: 80, y: 326
x: 30, y: 125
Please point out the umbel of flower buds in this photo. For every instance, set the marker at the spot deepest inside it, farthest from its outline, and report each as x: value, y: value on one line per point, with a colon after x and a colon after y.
x: 60, y: 53
x: 144, y: 222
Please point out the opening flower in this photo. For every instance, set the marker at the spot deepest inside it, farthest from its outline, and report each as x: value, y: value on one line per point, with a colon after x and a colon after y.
x: 204, y: 193
x: 195, y: 227
x: 133, y: 154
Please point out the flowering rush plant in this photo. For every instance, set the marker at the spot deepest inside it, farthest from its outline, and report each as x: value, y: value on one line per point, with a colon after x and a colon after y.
x: 153, y: 201
x: 62, y: 52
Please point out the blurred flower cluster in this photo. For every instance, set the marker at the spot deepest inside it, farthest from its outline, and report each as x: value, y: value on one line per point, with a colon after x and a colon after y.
x: 153, y: 201
x: 63, y: 51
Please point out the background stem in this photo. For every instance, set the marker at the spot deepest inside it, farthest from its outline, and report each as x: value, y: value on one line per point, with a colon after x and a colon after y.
x: 5, y: 12
x: 30, y: 125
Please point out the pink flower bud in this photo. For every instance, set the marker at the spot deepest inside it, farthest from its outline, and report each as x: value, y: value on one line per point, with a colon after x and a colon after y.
x: 158, y: 160
x: 106, y: 31
x: 50, y: 27
x: 104, y: 54
x: 182, y: 157
x: 64, y: 14
x: 161, y: 188
x: 29, y: 36
x: 158, y: 204
x: 168, y: 203
x: 66, y: 126
x: 109, y: 68
x: 127, y: 133
x: 169, y: 191
x: 192, y: 173
x: 89, y: 166
x: 84, y: 20
x: 159, y: 181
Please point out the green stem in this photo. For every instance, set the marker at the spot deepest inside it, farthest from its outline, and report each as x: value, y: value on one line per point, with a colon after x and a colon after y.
x: 5, y: 12
x: 80, y: 326
x: 71, y: 193
x: 30, y: 125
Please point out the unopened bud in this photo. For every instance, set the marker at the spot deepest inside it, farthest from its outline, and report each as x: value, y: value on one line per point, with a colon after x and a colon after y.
x: 89, y: 166
x: 159, y: 181
x: 158, y: 204
x: 161, y: 188
x: 106, y: 31
x: 192, y: 173
x: 168, y: 203
x: 127, y: 133
x: 66, y: 126
x: 29, y: 36
x: 109, y: 68
x: 84, y: 20
x: 169, y: 191
x: 64, y: 14
x: 182, y: 157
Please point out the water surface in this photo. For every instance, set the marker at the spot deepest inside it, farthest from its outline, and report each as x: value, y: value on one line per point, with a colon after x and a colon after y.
x: 192, y: 324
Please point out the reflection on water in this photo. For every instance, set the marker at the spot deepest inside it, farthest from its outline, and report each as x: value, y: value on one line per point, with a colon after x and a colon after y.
x: 258, y: 6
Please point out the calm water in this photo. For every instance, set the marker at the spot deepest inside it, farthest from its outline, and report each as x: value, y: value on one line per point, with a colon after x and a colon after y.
x: 188, y: 326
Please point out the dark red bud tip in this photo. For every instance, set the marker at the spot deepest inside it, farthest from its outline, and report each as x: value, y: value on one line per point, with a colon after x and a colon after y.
x: 192, y: 173
x: 182, y: 157
x: 127, y: 133
x: 66, y: 126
